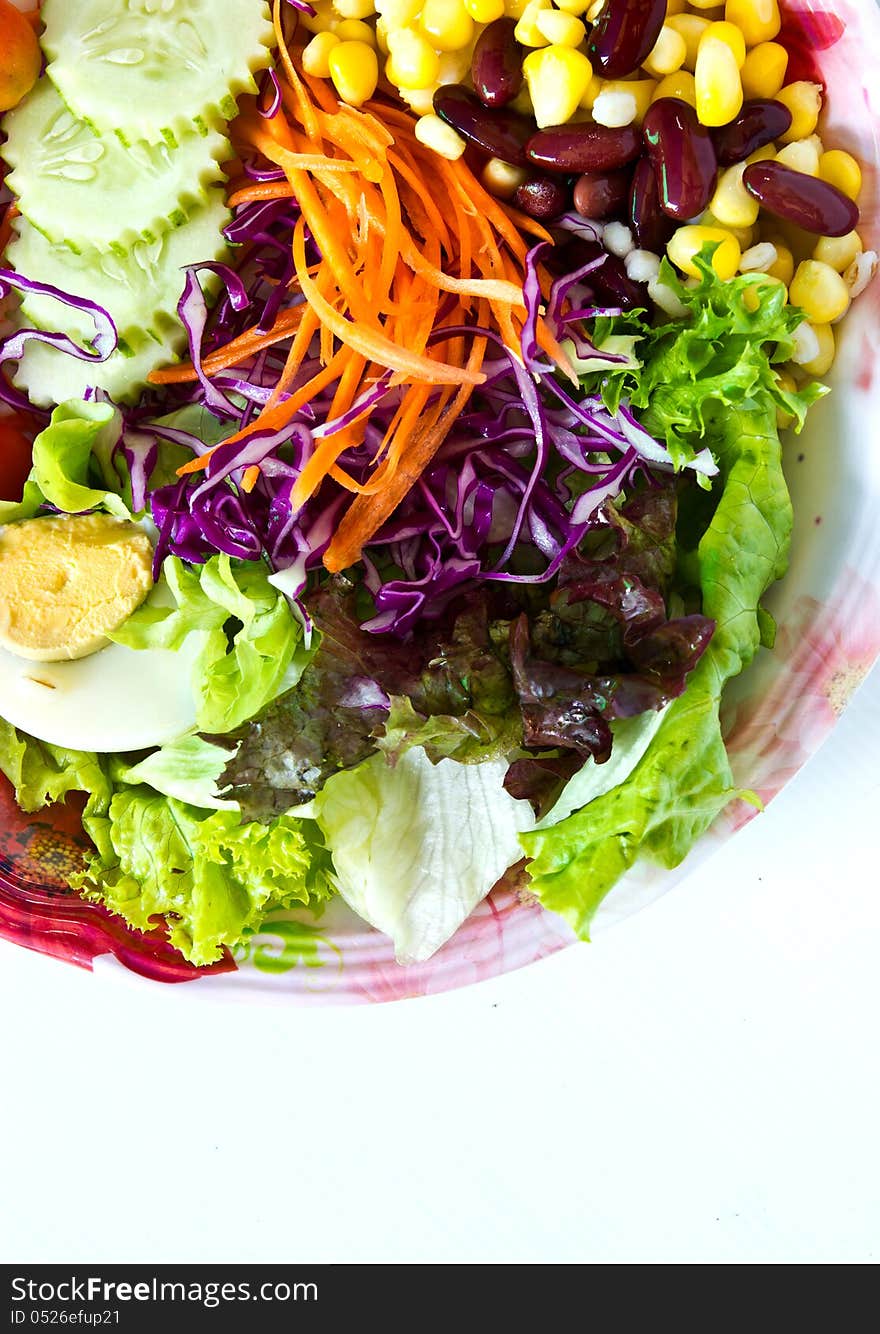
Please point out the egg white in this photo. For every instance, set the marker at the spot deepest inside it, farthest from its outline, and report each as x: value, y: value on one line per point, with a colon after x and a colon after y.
x: 117, y: 699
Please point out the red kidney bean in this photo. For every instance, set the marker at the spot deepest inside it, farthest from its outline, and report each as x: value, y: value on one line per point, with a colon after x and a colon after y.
x: 498, y: 131
x: 682, y: 155
x: 760, y: 122
x: 623, y: 35
x: 804, y: 200
x: 542, y: 197
x: 602, y: 195
x: 571, y: 149
x: 610, y: 284
x: 496, y: 67
x: 651, y: 227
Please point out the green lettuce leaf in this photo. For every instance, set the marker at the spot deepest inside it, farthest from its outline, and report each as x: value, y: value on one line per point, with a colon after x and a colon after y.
x: 73, y: 467
x: 42, y: 774
x: 418, y: 845
x: 193, y: 419
x: 209, y: 876
x: 189, y: 769
x: 470, y: 738
x: 683, y: 780
x: 251, y: 647
x: 725, y: 351
x: 212, y: 874
x: 632, y: 737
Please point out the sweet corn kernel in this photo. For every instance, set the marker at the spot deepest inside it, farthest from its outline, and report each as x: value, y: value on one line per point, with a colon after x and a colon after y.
x: 420, y: 100
x: 354, y: 69
x: 618, y: 239
x: 527, y: 32
x: 821, y: 364
x: 354, y: 9
x: 641, y: 89
x: 614, y: 109
x: 691, y: 27
x: 560, y: 29
x: 485, y: 11
x: 806, y: 344
x: 716, y: 76
x: 355, y: 30
x: 399, y: 13
x: 455, y: 65
x: 675, y: 7
x: 435, y: 134
x: 576, y: 7
x: 324, y: 18
x: 758, y: 258
x: 667, y: 55
x: 502, y: 179
x: 862, y: 271
x: 594, y: 9
x: 800, y: 156
x: 447, y: 24
x: 666, y: 299
x: 642, y: 265
x: 838, y: 251
x: 763, y: 71
x: 412, y: 62
x: 804, y: 101
x: 731, y: 35
x: 800, y: 243
x: 745, y: 236
x: 757, y: 20
x: 841, y: 169
x: 522, y: 103
x: 592, y: 91
x: 783, y: 266
x: 316, y: 54
x: 680, y: 84
x: 704, y: 4
x: 731, y: 203
x: 557, y: 78
x: 382, y: 35
x: 820, y: 291
x: 514, y: 8
x: 689, y: 240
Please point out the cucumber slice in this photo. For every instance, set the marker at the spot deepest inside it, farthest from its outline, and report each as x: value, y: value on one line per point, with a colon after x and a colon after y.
x: 151, y: 69
x: 133, y: 195
x: 49, y: 376
x: 140, y: 290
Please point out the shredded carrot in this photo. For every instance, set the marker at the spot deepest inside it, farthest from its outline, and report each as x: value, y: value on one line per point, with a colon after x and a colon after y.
x: 397, y: 267
x: 367, y: 513
x: 249, y: 194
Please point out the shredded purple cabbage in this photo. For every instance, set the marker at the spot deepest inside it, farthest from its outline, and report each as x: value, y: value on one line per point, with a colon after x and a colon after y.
x: 103, y: 343
x: 527, y: 471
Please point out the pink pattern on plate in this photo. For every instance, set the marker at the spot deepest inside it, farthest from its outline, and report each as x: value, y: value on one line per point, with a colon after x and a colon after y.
x: 829, y: 636
x: 822, y: 655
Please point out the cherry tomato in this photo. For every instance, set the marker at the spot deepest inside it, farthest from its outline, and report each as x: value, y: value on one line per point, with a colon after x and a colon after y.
x: 17, y: 432
x: 20, y: 57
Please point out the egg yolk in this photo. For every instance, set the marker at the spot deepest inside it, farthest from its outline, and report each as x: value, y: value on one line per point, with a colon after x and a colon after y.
x: 67, y: 583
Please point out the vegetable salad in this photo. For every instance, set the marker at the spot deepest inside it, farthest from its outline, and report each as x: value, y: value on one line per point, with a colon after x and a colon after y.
x: 390, y: 458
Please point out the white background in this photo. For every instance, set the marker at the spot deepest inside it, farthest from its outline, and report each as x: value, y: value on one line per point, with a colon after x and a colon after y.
x: 701, y: 1085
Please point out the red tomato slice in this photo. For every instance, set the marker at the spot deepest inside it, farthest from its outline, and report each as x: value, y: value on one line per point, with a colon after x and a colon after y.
x: 17, y: 432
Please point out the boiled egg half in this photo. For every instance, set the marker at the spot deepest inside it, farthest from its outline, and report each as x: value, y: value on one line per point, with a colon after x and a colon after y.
x: 66, y: 583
